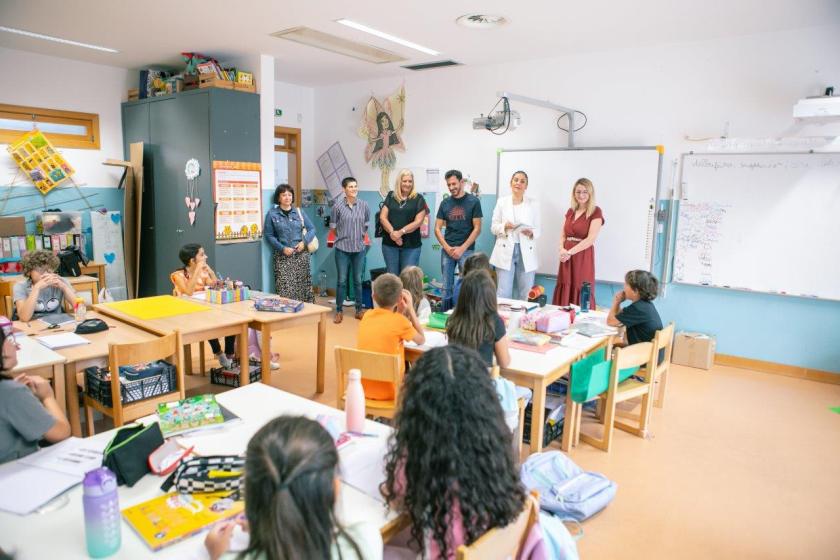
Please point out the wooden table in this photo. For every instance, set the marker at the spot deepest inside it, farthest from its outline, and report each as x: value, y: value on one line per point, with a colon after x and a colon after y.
x: 93, y: 267
x: 194, y: 327
x: 59, y: 532
x: 80, y: 284
x: 267, y: 322
x: 93, y: 354
x: 36, y: 359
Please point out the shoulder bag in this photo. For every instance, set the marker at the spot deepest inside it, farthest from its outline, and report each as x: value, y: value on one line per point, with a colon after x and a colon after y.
x: 312, y: 246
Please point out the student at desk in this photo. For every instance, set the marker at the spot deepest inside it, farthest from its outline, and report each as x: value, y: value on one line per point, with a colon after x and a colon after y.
x: 28, y: 409
x: 42, y: 292
x: 640, y: 317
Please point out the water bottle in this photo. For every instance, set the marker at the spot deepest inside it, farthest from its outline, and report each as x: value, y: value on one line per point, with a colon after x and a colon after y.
x: 79, y: 310
x: 322, y: 283
x: 102, y: 513
x: 354, y: 402
x: 585, y: 293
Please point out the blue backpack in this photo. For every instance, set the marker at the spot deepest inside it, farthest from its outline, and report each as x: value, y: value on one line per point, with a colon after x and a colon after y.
x: 565, y: 489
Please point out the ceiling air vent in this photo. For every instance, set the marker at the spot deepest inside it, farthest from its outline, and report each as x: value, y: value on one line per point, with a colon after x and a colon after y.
x: 338, y: 45
x: 430, y: 65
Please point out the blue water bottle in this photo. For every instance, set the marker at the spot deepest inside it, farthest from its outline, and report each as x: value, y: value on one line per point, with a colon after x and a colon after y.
x: 585, y: 292
x: 102, y: 513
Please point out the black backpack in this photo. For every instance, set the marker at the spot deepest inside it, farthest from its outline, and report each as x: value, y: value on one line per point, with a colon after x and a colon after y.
x: 70, y: 261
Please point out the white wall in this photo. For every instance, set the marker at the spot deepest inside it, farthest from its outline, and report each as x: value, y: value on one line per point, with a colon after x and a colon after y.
x: 298, y: 105
x: 632, y: 97
x: 56, y: 83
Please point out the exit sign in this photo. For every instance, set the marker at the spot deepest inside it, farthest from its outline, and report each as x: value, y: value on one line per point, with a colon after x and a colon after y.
x: 278, y: 112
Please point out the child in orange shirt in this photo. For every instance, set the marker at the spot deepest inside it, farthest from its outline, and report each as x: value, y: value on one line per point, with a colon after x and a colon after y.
x: 385, y: 328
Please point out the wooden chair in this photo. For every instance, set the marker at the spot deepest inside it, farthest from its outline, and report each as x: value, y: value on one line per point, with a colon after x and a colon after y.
x: 664, y: 340
x: 10, y: 307
x: 623, y: 359
x: 504, y: 542
x: 164, y: 348
x: 374, y: 366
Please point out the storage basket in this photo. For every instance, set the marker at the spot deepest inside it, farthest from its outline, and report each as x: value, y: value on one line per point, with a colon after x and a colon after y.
x: 136, y: 382
x: 230, y: 377
x: 551, y: 432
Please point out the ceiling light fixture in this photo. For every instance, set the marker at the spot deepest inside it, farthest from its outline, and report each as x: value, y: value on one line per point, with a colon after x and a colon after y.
x: 339, y: 45
x: 481, y: 21
x: 387, y: 36
x: 56, y: 39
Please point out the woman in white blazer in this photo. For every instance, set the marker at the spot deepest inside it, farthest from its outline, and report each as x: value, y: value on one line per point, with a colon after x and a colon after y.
x: 516, y: 225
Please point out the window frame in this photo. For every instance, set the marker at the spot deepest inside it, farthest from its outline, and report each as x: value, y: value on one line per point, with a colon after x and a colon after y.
x: 90, y: 121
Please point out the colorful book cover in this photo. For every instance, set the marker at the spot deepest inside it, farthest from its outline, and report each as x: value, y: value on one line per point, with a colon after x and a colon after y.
x: 21, y: 239
x: 15, y: 247
x: 167, y: 519
x: 46, y: 242
x: 30, y: 243
x: 55, y: 243
x: 3, y: 253
x: 189, y: 414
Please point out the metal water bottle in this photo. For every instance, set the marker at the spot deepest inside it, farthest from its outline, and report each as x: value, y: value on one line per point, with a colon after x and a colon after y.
x: 102, y: 513
x: 585, y: 293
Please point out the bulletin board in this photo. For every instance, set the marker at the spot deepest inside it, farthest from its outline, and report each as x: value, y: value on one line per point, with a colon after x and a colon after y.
x: 237, y: 193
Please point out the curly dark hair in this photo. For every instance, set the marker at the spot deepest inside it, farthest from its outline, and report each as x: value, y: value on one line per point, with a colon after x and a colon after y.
x: 643, y: 282
x: 451, y: 448
x: 38, y: 260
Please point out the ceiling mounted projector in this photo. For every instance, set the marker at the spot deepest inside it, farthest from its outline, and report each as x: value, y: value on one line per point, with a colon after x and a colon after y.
x: 496, y: 121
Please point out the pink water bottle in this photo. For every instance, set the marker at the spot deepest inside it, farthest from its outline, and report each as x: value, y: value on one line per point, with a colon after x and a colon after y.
x: 354, y: 402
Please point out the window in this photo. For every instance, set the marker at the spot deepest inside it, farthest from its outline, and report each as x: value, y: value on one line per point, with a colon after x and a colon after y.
x: 65, y: 129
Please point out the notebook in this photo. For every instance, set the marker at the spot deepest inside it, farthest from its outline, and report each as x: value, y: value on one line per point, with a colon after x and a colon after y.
x: 62, y: 340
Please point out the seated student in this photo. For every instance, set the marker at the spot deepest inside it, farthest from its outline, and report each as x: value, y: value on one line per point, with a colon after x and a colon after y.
x: 450, y: 466
x: 291, y: 469
x: 475, y: 322
x: 476, y: 261
x: 640, y: 317
x: 385, y: 328
x: 42, y: 292
x: 412, y: 280
x: 195, y: 276
x: 28, y: 409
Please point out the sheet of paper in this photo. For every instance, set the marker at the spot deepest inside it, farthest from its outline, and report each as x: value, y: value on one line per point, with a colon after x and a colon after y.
x: 200, y: 296
x: 73, y: 456
x: 56, y: 319
x: 62, y: 340
x: 434, y: 339
x: 24, y: 488
x: 363, y: 465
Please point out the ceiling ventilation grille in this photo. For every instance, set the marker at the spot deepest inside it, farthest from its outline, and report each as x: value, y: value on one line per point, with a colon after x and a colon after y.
x: 430, y: 65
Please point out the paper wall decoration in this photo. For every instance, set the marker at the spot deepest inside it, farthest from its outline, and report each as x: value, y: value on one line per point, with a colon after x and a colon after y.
x: 39, y: 160
x: 382, y: 127
x: 106, y: 229
x: 238, y: 198
x: 192, y: 171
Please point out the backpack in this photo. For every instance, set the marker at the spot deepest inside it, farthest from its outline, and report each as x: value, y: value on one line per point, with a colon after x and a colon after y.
x: 565, y: 489
x: 70, y: 261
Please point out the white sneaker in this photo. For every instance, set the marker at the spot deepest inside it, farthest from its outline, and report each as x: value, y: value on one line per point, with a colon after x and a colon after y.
x: 224, y: 361
x: 275, y: 365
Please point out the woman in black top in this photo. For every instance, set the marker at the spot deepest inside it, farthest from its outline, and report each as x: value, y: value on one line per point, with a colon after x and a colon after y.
x: 401, y: 216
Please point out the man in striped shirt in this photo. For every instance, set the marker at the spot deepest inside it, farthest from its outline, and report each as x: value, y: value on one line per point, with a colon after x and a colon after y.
x: 349, y: 219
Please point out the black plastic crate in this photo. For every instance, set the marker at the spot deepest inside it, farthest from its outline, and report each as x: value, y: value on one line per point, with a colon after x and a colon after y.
x: 136, y: 382
x: 230, y: 377
x: 551, y: 431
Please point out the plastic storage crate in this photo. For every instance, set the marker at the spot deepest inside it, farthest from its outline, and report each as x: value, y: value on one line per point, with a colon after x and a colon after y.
x: 136, y: 382
x: 230, y: 377
x: 551, y: 431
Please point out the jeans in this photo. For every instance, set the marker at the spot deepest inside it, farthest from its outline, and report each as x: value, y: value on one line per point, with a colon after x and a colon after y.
x: 447, y: 267
x: 230, y: 345
x: 397, y: 258
x: 343, y: 263
x: 524, y: 280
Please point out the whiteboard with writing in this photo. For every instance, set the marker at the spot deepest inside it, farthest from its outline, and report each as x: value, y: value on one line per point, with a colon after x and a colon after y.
x: 761, y: 222
x: 626, y: 182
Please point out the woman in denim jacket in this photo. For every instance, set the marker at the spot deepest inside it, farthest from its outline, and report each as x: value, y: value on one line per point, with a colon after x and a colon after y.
x: 284, y: 225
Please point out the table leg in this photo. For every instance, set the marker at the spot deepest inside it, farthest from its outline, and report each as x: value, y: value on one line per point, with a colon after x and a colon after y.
x: 202, y: 364
x: 322, y: 348
x: 569, y: 422
x: 265, y: 351
x: 58, y: 382
x: 244, y: 364
x: 188, y: 359
x: 538, y: 416
x: 94, y: 294
x: 72, y: 395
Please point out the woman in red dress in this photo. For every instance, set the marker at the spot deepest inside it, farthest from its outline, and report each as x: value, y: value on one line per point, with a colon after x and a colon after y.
x: 577, y: 250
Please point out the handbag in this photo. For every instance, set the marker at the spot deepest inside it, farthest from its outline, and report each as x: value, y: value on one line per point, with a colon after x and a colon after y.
x: 312, y: 246
x: 70, y: 261
x: 378, y: 230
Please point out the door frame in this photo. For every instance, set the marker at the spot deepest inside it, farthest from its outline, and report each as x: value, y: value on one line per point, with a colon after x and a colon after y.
x: 292, y: 146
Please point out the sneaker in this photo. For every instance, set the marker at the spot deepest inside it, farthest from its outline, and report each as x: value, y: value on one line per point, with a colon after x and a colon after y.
x: 257, y: 359
x: 274, y: 365
x: 224, y: 361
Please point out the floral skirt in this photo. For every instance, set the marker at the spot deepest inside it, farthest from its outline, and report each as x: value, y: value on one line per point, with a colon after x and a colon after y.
x: 293, y: 277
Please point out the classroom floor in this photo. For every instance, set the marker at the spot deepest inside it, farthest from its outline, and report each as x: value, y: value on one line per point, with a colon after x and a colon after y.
x: 741, y: 464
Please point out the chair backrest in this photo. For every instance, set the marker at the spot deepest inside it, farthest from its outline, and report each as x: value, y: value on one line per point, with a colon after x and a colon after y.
x: 664, y: 339
x: 10, y: 310
x: 175, y: 291
x: 632, y: 356
x: 504, y: 542
x: 375, y: 366
x: 163, y: 348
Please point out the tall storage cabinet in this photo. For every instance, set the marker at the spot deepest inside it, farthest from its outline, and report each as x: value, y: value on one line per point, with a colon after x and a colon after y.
x: 208, y: 125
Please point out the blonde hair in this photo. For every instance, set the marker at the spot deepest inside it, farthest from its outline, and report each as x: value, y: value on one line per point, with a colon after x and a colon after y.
x: 590, y: 188
x: 398, y: 191
x: 412, y: 280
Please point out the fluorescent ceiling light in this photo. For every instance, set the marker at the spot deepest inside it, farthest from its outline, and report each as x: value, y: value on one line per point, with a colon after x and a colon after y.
x: 338, y: 45
x: 387, y: 36
x: 56, y: 39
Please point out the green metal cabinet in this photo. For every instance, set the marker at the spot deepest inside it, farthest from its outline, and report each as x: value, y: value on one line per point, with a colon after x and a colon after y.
x: 208, y: 125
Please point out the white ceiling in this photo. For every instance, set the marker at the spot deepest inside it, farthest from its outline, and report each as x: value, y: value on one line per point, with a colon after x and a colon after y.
x: 154, y: 32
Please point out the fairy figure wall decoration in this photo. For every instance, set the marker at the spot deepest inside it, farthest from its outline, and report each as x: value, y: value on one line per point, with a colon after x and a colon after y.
x: 382, y: 127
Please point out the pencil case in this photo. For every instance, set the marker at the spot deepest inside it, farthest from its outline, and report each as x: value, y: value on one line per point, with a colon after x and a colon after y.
x: 438, y: 320
x: 127, y: 454
x: 214, y: 473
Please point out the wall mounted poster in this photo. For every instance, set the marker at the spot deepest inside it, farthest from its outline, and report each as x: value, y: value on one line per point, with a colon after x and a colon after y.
x: 106, y: 229
x: 238, y: 199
